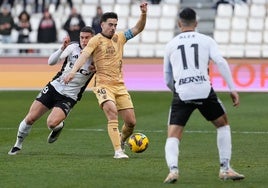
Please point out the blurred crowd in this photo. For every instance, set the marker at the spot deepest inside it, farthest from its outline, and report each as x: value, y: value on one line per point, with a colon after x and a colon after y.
x: 47, y: 28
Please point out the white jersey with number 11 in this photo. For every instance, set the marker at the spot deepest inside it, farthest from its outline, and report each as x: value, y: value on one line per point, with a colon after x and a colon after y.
x: 186, y: 64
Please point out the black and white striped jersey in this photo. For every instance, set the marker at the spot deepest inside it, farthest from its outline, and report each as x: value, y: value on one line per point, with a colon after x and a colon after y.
x: 76, y: 87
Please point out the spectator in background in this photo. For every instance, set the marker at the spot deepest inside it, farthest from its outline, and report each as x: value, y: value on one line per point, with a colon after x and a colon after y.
x: 155, y: 1
x: 36, y: 8
x: 231, y: 2
x: 10, y: 2
x: 47, y: 31
x: 43, y: 6
x: 70, y: 2
x: 74, y: 24
x: 215, y: 6
x: 96, y: 20
x: 6, y: 24
x: 24, y: 29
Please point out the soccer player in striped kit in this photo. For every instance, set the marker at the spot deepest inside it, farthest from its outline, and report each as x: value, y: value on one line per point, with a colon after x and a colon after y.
x: 57, y: 96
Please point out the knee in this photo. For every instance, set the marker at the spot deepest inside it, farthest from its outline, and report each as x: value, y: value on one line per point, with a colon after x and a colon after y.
x: 29, y: 120
x: 221, y: 121
x: 131, y: 123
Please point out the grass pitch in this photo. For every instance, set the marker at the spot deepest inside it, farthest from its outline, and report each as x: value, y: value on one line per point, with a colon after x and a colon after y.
x: 83, y: 155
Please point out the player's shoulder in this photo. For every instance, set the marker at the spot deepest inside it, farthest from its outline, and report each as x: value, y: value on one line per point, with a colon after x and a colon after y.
x: 73, y: 45
x: 99, y: 35
x: 122, y: 36
x: 97, y: 38
x: 204, y: 36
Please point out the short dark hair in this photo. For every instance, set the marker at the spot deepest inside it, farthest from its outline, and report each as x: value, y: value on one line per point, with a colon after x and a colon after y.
x: 26, y: 13
x: 188, y: 15
x: 108, y: 15
x: 88, y: 29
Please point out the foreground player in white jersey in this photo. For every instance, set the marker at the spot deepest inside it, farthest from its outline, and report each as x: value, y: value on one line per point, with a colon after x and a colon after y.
x: 57, y: 96
x: 186, y: 62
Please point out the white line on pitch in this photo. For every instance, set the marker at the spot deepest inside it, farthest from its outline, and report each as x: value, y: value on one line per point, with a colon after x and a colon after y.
x: 153, y: 131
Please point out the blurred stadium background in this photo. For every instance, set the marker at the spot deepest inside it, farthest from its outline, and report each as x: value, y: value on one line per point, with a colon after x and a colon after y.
x: 241, y: 30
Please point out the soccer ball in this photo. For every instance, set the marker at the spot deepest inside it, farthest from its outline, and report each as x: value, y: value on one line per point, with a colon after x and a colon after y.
x: 138, y: 142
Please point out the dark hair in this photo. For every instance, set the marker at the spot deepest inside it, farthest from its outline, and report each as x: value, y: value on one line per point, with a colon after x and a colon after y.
x: 108, y: 15
x: 26, y: 13
x: 188, y: 15
x: 88, y: 29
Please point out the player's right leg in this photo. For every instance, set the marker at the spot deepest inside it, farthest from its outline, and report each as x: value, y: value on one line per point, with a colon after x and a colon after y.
x: 110, y: 111
x: 172, y: 152
x: 37, y: 109
x: 178, y: 117
x: 106, y: 101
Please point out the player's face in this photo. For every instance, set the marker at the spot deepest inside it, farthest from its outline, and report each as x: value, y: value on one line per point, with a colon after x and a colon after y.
x: 109, y: 27
x: 84, y: 38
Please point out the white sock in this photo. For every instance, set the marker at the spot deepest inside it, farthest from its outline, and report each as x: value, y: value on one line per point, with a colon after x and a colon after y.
x: 172, y: 153
x: 224, y: 144
x: 23, y: 131
x: 118, y: 151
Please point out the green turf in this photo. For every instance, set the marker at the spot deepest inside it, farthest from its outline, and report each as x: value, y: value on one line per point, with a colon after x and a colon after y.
x: 83, y: 155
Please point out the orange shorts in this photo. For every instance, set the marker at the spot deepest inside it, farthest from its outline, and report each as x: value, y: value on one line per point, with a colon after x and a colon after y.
x: 118, y: 94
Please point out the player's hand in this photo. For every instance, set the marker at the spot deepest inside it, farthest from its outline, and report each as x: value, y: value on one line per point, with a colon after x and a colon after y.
x: 92, y: 67
x: 143, y: 7
x: 235, y: 98
x: 68, y: 78
x: 66, y: 42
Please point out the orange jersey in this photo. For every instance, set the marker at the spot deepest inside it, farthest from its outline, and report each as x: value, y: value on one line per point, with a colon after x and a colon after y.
x: 107, y: 57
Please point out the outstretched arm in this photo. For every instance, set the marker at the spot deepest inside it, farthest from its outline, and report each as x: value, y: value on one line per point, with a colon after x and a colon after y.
x: 78, y: 64
x: 142, y: 20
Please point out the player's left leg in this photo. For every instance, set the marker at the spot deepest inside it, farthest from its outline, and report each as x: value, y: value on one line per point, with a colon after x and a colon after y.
x: 58, y: 114
x: 128, y: 116
x: 126, y: 111
x: 224, y: 144
x: 55, y: 123
x: 213, y: 110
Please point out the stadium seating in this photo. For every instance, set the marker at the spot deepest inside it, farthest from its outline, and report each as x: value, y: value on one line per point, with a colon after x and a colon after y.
x: 225, y: 10
x: 241, y: 10
x: 222, y: 36
x: 222, y: 23
x: 241, y: 30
